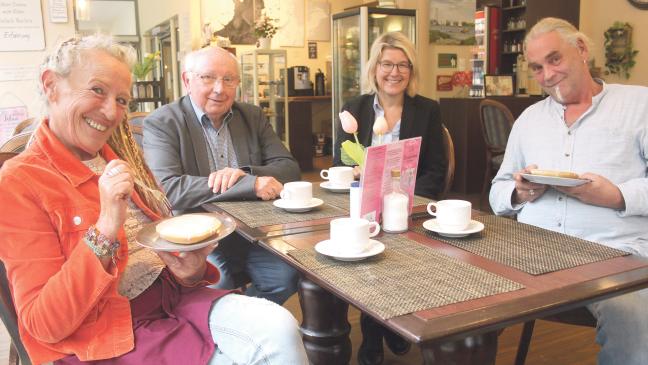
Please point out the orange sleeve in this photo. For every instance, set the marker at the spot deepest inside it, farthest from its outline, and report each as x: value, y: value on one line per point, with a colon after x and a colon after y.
x: 53, y: 294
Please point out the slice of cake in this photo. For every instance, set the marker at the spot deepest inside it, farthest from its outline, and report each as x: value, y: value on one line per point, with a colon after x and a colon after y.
x: 189, y: 228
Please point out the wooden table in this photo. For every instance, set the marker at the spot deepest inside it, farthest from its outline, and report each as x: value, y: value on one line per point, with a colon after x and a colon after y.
x: 461, y: 333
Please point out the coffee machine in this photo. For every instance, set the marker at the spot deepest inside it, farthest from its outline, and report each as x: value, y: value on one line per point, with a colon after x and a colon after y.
x: 299, y: 83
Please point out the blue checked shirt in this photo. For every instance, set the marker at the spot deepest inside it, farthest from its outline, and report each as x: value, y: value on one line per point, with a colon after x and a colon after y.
x: 219, y: 141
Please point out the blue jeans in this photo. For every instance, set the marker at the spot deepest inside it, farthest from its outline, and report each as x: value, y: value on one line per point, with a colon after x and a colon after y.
x: 622, y: 329
x: 254, y: 331
x: 271, y: 278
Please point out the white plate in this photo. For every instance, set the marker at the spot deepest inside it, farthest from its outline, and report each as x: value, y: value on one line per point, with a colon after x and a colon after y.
x: 473, y: 227
x: 327, y: 248
x: 148, y: 237
x: 334, y: 188
x: 281, y: 203
x: 555, y: 180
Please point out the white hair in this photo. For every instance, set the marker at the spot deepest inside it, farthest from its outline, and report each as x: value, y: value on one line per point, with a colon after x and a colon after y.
x: 69, y: 53
x: 564, y: 28
x: 192, y: 58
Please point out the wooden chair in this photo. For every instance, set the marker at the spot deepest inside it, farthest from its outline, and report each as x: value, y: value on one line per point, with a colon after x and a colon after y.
x: 496, y: 123
x: 579, y: 317
x: 16, y: 143
x: 448, y: 147
x: 149, y: 92
x: 135, y: 120
x: 25, y: 126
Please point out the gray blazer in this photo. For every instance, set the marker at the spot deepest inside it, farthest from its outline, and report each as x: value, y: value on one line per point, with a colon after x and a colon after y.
x: 176, y: 151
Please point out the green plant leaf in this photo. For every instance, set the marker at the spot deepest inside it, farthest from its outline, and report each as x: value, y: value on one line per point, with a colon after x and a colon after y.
x: 352, y: 153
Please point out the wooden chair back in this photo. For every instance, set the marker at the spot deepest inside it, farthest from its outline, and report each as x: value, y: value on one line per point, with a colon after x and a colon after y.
x: 24, y: 126
x: 448, y: 147
x: 16, y: 143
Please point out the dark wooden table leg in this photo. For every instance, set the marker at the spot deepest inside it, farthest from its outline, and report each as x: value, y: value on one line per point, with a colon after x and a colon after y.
x: 480, y: 349
x: 325, y: 327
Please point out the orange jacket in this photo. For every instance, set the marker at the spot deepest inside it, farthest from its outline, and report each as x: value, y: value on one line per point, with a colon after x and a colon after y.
x: 66, y: 302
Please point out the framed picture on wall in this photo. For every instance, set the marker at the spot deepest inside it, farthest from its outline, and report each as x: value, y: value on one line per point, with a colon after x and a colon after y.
x: 498, y: 85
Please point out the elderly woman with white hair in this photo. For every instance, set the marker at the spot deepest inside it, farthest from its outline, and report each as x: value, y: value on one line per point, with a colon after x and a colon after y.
x: 72, y: 205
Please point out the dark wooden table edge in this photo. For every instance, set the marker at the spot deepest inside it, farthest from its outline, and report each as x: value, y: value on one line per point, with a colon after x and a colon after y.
x: 489, y: 318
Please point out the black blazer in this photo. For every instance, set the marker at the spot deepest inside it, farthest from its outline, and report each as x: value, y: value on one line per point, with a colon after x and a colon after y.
x: 421, y: 118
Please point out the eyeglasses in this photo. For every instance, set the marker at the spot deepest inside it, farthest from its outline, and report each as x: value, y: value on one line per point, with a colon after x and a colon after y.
x: 403, y: 67
x: 227, y: 81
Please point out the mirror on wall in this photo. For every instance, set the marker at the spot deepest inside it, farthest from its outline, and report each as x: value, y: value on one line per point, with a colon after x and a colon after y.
x: 115, y: 17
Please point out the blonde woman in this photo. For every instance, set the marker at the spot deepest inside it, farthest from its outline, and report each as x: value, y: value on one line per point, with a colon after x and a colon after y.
x: 392, y: 79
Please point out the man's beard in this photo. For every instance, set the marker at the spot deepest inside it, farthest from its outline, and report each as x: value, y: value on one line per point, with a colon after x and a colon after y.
x: 554, y: 92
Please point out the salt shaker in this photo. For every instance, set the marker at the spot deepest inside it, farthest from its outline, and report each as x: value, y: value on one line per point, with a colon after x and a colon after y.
x: 395, y: 207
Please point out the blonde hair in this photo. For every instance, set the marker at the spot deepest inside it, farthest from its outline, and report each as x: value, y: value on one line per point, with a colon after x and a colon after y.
x: 391, y: 40
x: 565, y: 29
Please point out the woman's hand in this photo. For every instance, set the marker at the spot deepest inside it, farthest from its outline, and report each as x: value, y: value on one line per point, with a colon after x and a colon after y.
x: 115, y: 187
x: 188, y: 267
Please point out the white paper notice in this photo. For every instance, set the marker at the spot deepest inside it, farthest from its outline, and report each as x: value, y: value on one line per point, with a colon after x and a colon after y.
x: 21, y: 26
x: 58, y: 11
x: 9, y: 119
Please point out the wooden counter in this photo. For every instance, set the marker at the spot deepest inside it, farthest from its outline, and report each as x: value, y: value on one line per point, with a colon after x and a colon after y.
x: 461, y: 116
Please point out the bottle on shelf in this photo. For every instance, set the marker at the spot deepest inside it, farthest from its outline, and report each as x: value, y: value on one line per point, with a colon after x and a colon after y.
x: 395, y: 207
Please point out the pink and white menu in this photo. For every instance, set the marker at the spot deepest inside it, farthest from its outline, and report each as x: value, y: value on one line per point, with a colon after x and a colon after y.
x: 376, y: 181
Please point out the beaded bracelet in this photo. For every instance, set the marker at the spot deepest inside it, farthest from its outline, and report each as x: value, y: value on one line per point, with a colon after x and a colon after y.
x: 100, y: 244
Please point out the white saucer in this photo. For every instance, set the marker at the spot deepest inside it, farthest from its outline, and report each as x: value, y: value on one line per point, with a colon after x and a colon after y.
x: 283, y: 204
x: 554, y: 180
x: 473, y: 227
x: 326, y: 248
x: 334, y: 188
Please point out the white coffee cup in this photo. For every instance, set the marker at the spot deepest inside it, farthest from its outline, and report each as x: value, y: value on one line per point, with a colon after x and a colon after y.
x: 297, y: 193
x: 339, y: 176
x: 451, y: 214
x: 351, y: 235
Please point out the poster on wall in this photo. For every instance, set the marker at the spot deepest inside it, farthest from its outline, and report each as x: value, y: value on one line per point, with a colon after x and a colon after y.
x: 9, y: 119
x: 232, y: 19
x: 289, y: 17
x: 319, y: 20
x: 452, y: 22
x: 21, y: 26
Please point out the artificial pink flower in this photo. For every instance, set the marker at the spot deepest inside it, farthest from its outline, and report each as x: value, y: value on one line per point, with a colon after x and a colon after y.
x: 349, y: 123
x: 380, y: 126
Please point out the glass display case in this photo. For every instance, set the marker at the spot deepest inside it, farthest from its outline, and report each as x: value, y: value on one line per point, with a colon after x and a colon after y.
x: 263, y: 83
x: 353, y: 33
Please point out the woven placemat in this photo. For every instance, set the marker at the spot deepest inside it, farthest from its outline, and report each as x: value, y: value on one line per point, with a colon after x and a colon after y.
x: 341, y: 200
x: 407, y: 277
x: 262, y: 213
x: 527, y: 248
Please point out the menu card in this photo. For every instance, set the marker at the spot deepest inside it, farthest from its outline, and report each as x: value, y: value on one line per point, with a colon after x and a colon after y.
x: 376, y: 180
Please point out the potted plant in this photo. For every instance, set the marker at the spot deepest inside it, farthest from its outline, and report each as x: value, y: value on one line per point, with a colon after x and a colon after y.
x: 142, y: 69
x: 264, y: 30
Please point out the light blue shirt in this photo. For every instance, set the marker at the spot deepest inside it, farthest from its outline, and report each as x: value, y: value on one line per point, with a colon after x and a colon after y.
x: 389, y: 137
x: 610, y: 139
x: 219, y: 141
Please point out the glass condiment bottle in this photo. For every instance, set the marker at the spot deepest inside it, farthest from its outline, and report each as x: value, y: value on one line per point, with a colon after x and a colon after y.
x: 395, y: 207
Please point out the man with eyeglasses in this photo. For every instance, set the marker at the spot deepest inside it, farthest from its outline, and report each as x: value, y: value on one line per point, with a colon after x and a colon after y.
x: 206, y: 147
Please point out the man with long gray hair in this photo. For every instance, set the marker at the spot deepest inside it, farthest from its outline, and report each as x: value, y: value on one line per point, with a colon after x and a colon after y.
x: 598, y: 131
